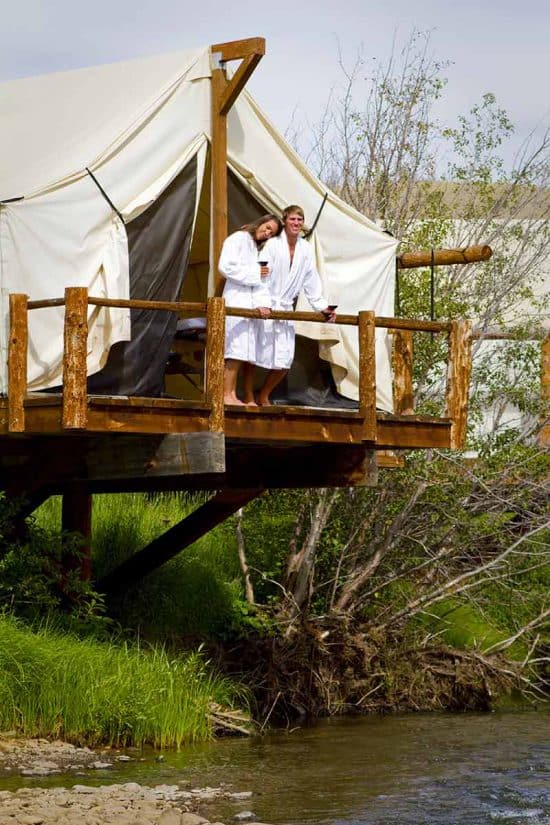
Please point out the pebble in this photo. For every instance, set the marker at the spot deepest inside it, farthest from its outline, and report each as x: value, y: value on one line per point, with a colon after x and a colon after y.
x: 124, y: 804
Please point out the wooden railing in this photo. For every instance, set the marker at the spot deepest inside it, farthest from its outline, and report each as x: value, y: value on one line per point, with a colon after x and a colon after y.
x: 75, y: 399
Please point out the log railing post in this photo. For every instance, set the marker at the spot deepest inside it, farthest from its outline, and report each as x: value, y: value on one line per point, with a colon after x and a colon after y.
x: 215, y: 347
x: 75, y: 400
x: 367, y: 374
x: 544, y: 434
x: 17, y: 363
x: 403, y: 397
x: 458, y: 380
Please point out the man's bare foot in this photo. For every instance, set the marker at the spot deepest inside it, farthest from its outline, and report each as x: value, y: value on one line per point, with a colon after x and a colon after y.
x: 251, y: 402
x: 263, y: 401
x: 232, y: 399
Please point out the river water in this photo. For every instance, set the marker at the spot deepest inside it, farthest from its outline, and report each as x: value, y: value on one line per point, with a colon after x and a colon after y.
x: 417, y: 769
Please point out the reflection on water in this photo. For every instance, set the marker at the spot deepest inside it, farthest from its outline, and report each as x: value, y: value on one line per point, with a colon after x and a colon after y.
x: 429, y: 769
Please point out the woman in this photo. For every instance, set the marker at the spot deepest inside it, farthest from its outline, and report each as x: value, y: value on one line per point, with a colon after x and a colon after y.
x: 290, y: 260
x: 244, y: 287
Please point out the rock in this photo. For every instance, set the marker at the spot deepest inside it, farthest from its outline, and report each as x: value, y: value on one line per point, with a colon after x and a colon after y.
x: 99, y: 766
x: 131, y: 787
x: 169, y: 817
x: 244, y: 816
x: 240, y: 795
x: 30, y: 819
x: 124, y: 758
x: 85, y: 789
x: 192, y: 819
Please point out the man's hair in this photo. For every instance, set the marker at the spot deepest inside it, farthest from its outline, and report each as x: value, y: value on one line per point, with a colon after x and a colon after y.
x: 254, y: 225
x: 293, y: 209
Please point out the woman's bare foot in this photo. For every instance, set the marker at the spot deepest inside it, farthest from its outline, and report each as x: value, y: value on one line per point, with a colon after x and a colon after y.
x: 263, y: 401
x: 232, y: 399
x: 251, y: 403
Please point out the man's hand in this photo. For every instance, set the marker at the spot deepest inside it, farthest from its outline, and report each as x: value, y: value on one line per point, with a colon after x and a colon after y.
x: 264, y: 312
x: 330, y: 315
x: 264, y: 270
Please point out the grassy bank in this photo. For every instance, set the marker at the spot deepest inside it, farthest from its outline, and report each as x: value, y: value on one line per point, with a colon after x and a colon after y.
x: 52, y: 684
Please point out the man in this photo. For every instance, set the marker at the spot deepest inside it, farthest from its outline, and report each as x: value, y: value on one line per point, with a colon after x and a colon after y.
x: 292, y: 268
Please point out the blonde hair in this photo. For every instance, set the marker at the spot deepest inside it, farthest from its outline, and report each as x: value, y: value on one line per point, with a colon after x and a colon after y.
x: 293, y: 209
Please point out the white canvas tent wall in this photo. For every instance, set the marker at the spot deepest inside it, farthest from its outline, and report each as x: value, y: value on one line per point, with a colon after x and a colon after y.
x: 136, y: 126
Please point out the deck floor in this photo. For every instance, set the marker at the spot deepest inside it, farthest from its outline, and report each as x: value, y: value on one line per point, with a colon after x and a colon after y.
x: 272, y: 424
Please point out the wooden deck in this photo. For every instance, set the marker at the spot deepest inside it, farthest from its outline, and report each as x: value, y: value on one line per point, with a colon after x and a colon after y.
x: 264, y: 425
x: 160, y: 443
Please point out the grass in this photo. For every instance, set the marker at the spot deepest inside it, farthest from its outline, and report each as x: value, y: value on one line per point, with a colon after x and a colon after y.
x: 192, y: 596
x: 55, y: 685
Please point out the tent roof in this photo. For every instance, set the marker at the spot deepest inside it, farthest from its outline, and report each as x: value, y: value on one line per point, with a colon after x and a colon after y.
x: 136, y: 125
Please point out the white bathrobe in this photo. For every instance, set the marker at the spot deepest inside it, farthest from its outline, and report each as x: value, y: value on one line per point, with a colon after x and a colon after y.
x: 244, y: 287
x: 275, y: 346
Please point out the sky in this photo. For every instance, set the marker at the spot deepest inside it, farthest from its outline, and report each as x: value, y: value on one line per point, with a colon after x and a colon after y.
x: 499, y: 46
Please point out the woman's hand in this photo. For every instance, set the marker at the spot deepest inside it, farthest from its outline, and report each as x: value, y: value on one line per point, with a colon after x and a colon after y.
x: 264, y: 312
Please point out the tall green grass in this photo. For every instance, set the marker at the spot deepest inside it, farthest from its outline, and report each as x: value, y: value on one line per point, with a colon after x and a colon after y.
x: 55, y: 685
x: 193, y: 596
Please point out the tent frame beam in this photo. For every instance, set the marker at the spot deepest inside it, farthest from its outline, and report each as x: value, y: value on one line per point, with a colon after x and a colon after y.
x: 224, y: 94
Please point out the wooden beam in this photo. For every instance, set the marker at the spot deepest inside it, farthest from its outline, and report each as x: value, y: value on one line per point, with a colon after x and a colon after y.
x: 238, y: 82
x: 215, y: 347
x: 367, y: 374
x: 224, y: 93
x: 76, y: 517
x: 177, y: 538
x: 458, y: 380
x: 544, y: 434
x: 75, y: 359
x: 17, y: 363
x: 403, y: 396
x: 239, y: 49
x: 444, y: 257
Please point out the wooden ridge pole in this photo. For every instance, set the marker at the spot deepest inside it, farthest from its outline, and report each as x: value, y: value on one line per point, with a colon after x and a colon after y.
x: 75, y: 399
x: 444, y: 257
x: 224, y: 94
x: 17, y: 363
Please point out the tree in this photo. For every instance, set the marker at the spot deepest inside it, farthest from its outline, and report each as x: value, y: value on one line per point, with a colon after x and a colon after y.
x: 442, y: 535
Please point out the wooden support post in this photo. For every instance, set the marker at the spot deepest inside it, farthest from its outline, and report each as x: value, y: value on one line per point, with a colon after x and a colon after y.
x: 76, y: 517
x: 176, y: 539
x: 367, y: 374
x: 17, y: 363
x: 215, y: 347
x: 544, y: 434
x: 75, y: 399
x: 224, y: 93
x: 458, y: 380
x: 403, y: 398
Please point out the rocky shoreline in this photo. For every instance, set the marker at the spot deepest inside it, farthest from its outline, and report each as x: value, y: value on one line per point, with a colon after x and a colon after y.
x: 128, y: 803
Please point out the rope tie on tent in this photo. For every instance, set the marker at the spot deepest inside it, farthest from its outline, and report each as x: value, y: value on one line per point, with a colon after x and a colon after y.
x: 316, y: 221
x: 104, y: 193
x: 13, y: 200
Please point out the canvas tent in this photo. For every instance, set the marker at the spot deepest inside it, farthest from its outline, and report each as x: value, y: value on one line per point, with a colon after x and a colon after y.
x: 104, y: 184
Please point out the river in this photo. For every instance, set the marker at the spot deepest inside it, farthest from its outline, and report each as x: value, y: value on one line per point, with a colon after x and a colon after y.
x: 422, y: 769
